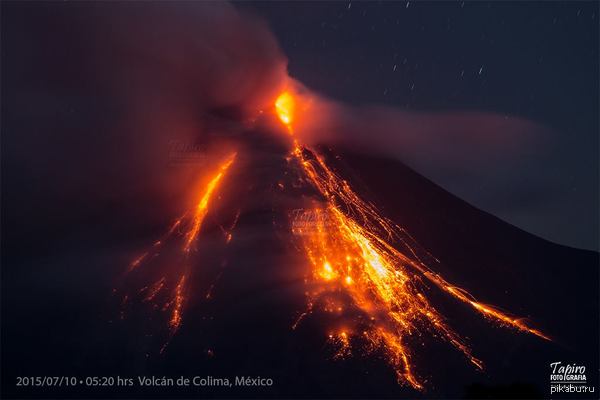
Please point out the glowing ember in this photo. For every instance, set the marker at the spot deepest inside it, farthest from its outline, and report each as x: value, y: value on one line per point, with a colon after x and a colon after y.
x: 175, y: 321
x: 354, y: 264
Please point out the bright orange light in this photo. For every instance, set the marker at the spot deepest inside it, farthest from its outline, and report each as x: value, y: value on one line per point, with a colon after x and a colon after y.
x: 175, y: 321
x: 349, y: 250
x: 202, y: 208
x: 361, y: 264
x: 285, y: 106
x: 175, y: 291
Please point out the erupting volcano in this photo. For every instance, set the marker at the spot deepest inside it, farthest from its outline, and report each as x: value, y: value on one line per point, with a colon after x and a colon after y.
x: 298, y: 200
x: 364, y: 270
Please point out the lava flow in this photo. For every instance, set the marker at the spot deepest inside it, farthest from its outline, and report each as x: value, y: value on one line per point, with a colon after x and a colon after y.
x: 168, y: 292
x: 364, y: 269
x: 355, y: 267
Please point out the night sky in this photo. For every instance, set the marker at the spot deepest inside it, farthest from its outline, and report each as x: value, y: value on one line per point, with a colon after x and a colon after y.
x: 534, y: 60
x: 525, y: 62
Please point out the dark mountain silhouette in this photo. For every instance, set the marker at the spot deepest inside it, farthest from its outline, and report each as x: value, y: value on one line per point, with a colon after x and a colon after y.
x: 554, y: 285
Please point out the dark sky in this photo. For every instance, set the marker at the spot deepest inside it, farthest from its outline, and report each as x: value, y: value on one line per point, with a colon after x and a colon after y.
x: 66, y: 85
x: 534, y: 60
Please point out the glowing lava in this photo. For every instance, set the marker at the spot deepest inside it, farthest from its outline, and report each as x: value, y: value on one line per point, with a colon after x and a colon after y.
x: 202, y: 207
x: 168, y: 292
x: 355, y: 268
x: 364, y: 269
x: 285, y: 106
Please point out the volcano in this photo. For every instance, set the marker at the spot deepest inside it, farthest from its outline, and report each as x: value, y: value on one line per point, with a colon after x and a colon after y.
x: 286, y: 270
x: 263, y: 256
x: 327, y: 272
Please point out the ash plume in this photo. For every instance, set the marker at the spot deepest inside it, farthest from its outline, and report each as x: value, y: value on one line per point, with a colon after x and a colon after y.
x: 164, y: 73
x: 126, y: 81
x: 459, y: 150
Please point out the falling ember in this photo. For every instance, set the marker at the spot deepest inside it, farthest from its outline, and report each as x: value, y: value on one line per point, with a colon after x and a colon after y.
x: 175, y: 321
x: 154, y: 290
x: 349, y: 248
x: 135, y: 263
x: 342, y: 341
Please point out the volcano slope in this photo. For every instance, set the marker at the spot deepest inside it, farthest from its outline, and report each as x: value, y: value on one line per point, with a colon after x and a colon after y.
x: 245, y: 297
x: 241, y: 317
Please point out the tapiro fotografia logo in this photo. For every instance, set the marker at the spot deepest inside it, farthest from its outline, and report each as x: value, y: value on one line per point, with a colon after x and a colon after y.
x: 180, y: 152
x: 568, y: 378
x: 305, y: 221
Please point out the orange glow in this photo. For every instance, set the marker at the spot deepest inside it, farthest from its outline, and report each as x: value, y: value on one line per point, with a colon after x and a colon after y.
x: 168, y: 294
x: 285, y: 106
x: 362, y: 269
x: 353, y: 261
x: 178, y: 300
x: 154, y: 290
x: 135, y: 263
x: 342, y: 341
x: 202, y: 207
